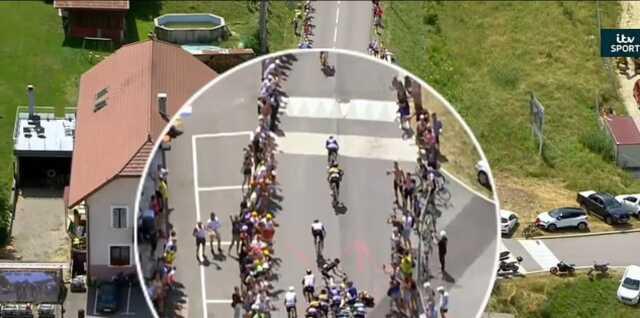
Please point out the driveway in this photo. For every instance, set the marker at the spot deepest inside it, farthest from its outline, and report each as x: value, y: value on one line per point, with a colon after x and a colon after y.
x: 41, y: 212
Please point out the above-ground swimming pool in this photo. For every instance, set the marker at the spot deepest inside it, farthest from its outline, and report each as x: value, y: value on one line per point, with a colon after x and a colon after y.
x: 190, y: 28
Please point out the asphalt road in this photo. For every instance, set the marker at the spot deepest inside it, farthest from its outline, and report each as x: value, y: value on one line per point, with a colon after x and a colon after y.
x: 359, y: 237
x: 582, y: 251
x: 332, y: 18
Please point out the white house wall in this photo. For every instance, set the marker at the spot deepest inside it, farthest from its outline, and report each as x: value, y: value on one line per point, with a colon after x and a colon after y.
x: 120, y: 192
x: 628, y: 156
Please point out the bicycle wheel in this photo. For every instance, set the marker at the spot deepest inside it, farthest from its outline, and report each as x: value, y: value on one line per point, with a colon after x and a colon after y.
x: 443, y: 195
x: 334, y: 194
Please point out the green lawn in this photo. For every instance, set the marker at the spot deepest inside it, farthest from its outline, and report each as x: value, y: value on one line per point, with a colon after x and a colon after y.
x: 550, y: 296
x: 486, y: 57
x: 241, y: 17
x: 33, y: 52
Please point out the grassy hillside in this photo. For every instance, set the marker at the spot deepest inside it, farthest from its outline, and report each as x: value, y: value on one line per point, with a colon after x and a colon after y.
x: 543, y: 297
x: 486, y: 57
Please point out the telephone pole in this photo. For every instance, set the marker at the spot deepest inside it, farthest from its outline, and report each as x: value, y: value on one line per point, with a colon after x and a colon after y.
x: 264, y: 13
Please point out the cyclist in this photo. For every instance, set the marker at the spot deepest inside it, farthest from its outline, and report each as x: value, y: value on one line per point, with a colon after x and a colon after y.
x: 308, y: 285
x: 334, y: 176
x: 324, y: 55
x: 318, y: 231
x: 332, y: 267
x: 290, y: 303
x: 332, y: 148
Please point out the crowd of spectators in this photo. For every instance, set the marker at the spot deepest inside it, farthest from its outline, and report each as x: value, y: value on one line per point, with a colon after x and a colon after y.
x: 414, y: 210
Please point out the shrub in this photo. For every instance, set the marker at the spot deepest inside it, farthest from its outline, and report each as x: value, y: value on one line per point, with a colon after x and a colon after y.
x: 597, y: 141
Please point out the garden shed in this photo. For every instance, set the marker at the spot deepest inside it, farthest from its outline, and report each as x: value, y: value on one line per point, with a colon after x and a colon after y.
x: 626, y: 139
x: 94, y: 19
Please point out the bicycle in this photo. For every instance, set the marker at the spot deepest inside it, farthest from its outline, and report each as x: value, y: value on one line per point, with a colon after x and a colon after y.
x: 332, y: 157
x: 334, y: 194
x: 319, y: 244
x: 443, y: 196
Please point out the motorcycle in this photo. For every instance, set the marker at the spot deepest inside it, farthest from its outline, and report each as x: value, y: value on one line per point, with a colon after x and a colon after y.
x: 599, y: 269
x: 563, y: 268
x: 509, y: 268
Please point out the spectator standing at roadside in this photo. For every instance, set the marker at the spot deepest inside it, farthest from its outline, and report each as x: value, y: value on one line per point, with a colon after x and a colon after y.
x: 236, y: 302
x: 213, y: 228
x: 442, y: 250
x: 164, y: 191
x: 235, y: 233
x: 201, y: 239
x: 407, y: 226
x: 436, y: 125
x: 444, y: 302
x: 398, y: 180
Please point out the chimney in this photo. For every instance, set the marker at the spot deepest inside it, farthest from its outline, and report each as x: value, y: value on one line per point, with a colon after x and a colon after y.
x: 162, y: 105
x: 32, y: 100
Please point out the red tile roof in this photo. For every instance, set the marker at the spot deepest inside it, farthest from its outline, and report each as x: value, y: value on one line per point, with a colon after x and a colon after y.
x: 92, y: 4
x: 117, y: 139
x: 623, y: 129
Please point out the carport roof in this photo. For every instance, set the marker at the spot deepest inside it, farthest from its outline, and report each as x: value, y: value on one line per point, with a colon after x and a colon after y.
x: 92, y: 4
x: 117, y: 113
x: 623, y: 129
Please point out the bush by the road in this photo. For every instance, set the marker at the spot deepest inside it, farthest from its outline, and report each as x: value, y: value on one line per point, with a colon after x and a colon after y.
x: 5, y: 218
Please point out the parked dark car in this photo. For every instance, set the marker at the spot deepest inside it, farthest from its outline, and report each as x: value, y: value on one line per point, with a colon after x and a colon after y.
x: 604, y: 206
x: 107, y: 302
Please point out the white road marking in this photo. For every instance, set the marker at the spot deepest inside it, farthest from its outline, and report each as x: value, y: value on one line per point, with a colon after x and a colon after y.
x: 95, y: 302
x: 540, y: 253
x: 219, y: 301
x: 303, y: 143
x: 197, y: 198
x: 335, y: 31
x: 221, y: 188
x: 502, y: 247
x: 355, y: 109
x: 128, y: 301
x: 225, y: 134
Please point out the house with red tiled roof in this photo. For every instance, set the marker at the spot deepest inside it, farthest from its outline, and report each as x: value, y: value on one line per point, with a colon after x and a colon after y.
x: 94, y: 18
x: 118, y: 120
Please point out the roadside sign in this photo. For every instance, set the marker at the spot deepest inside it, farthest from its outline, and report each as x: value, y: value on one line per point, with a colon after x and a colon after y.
x: 537, y: 120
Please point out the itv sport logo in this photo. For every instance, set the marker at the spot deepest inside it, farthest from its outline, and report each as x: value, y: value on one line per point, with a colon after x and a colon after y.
x: 620, y: 42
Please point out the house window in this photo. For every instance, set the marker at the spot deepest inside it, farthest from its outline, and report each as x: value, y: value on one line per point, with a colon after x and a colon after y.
x: 119, y: 255
x: 119, y: 217
x: 101, y: 99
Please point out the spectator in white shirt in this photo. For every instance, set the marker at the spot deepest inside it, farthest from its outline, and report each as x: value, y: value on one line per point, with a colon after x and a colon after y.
x: 213, y: 227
